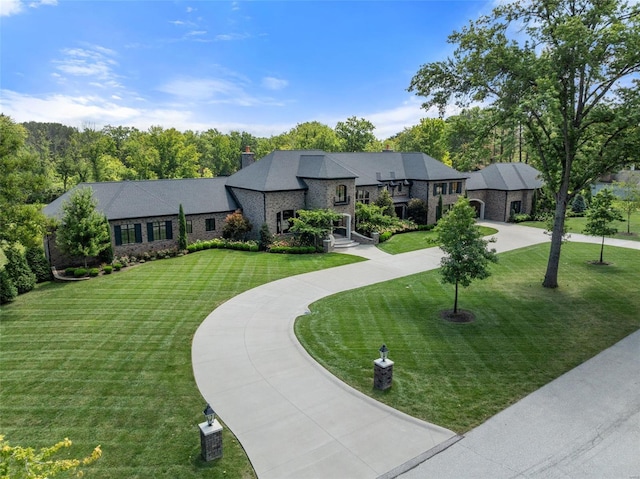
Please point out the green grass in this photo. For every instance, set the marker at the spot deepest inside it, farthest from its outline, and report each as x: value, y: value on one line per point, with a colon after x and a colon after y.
x: 577, y: 225
x: 415, y: 240
x: 458, y: 375
x: 108, y: 361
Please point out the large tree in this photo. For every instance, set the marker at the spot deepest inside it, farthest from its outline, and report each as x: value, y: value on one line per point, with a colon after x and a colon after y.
x: 356, y: 134
x: 83, y: 230
x: 563, y: 69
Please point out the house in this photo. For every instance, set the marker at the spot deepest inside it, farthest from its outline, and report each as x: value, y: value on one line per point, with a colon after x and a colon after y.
x: 501, y: 189
x: 143, y: 215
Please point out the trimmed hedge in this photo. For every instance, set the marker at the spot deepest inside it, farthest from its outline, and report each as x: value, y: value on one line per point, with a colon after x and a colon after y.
x: 107, y: 269
x: 93, y: 272
x: 218, y: 243
x: 80, y: 272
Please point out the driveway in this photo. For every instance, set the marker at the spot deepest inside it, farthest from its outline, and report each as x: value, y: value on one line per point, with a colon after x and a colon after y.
x: 293, y: 418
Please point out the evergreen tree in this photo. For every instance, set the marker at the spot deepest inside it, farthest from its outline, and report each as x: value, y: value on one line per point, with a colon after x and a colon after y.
x: 385, y: 202
x: 182, y: 227
x: 38, y: 264
x: 17, y: 268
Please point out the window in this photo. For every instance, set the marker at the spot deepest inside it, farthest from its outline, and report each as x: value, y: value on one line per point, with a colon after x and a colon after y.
x: 439, y: 189
x: 362, y: 196
x: 282, y: 221
x: 516, y: 207
x: 127, y: 234
x: 189, y: 227
x: 210, y: 224
x: 159, y: 230
x: 341, y: 194
x: 455, y: 187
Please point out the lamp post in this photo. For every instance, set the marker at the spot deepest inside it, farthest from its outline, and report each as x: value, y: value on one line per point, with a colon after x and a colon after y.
x: 210, y: 435
x: 383, y: 370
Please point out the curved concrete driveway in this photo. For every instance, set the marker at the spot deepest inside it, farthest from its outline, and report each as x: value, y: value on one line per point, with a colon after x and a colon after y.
x: 293, y: 418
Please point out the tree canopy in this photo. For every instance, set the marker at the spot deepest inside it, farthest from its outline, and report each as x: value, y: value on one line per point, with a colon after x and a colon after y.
x: 564, y: 70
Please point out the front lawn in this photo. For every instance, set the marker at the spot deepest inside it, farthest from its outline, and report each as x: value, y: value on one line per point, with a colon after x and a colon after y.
x: 577, y: 225
x: 415, y: 240
x: 459, y: 375
x: 108, y: 361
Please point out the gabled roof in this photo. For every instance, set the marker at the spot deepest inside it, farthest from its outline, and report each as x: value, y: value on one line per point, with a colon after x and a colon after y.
x: 286, y: 169
x: 140, y: 199
x: 505, y: 177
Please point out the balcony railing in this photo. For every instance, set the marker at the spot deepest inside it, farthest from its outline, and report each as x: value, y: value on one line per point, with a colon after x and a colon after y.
x: 341, y: 201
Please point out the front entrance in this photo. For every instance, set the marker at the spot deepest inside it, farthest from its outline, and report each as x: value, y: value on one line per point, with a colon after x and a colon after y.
x: 343, y: 226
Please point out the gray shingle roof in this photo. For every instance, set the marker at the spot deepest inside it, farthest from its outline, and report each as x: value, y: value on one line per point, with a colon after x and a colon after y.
x: 505, y: 177
x: 140, y: 199
x: 285, y: 170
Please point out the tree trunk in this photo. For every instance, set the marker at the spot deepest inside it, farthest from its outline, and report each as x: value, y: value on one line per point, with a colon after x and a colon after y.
x: 601, y: 249
x: 551, y: 276
x: 455, y: 302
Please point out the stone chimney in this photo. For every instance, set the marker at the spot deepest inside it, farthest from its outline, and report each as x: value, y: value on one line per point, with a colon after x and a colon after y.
x: 248, y: 157
x: 387, y: 149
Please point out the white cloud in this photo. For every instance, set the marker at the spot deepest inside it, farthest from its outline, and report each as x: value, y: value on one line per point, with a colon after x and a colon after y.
x: 93, y: 61
x: 10, y: 7
x: 272, y: 83
x: 196, y: 33
x: 14, y: 7
x: 227, y: 37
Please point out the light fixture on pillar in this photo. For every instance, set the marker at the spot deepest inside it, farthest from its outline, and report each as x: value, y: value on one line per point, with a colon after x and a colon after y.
x: 210, y: 414
x: 384, y: 352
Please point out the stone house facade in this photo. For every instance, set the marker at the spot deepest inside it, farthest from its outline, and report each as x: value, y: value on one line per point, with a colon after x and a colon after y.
x: 143, y: 215
x: 503, y: 189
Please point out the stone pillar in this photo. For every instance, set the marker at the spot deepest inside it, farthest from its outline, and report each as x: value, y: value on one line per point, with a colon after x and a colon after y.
x: 382, y: 374
x: 211, y: 440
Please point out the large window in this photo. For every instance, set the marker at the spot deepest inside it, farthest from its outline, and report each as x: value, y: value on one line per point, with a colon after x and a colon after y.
x: 189, y: 227
x: 159, y: 230
x: 341, y: 194
x: 516, y: 207
x: 282, y: 221
x: 439, y: 189
x: 362, y: 196
x: 127, y: 234
x: 455, y: 187
x: 210, y: 224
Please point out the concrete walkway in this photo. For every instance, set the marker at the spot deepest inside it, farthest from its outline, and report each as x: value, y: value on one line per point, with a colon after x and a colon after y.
x: 293, y: 418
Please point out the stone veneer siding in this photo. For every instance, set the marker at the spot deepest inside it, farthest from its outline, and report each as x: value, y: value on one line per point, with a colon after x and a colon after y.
x: 259, y: 207
x: 322, y: 193
x: 497, y: 203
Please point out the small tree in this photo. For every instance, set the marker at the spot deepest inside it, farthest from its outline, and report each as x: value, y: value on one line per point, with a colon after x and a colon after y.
x: 25, y: 462
x: 38, y: 263
x: 84, y: 231
x: 417, y: 210
x: 312, y: 226
x: 578, y: 205
x: 466, y: 254
x: 370, y: 218
x: 439, y: 208
x: 600, y: 216
x: 628, y: 200
x: 266, y: 238
x: 182, y: 230
x: 385, y: 202
x: 236, y: 226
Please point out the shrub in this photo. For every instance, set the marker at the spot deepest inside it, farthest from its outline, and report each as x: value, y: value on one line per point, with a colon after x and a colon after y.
x: 18, y: 270
x: 266, y: 238
x: 80, y: 272
x: 578, y: 205
x: 236, y: 226
x: 107, y: 269
x: 69, y: 271
x: 385, y: 236
x: 292, y: 249
x: 520, y: 217
x: 38, y: 264
x: 8, y: 291
x: 93, y: 272
x: 417, y: 210
x: 117, y: 266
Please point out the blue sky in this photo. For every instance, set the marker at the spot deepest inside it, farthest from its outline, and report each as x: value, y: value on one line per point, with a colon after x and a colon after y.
x: 260, y: 66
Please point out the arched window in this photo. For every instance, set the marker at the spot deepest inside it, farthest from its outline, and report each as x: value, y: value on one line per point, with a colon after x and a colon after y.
x: 341, y: 194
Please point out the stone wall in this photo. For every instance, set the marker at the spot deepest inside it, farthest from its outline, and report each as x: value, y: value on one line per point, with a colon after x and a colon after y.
x: 322, y: 195
x: 498, y: 203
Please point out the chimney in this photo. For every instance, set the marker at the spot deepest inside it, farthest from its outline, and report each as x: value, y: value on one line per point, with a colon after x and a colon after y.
x: 248, y: 158
x: 387, y: 149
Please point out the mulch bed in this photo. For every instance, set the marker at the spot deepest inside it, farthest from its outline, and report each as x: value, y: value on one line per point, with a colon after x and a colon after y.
x: 462, y: 316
